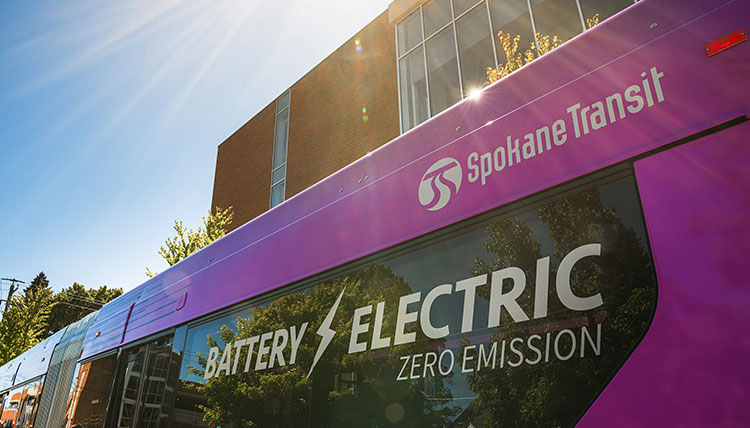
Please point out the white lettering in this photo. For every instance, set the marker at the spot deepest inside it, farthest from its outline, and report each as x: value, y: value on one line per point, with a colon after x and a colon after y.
x: 359, y: 328
x: 263, y: 351
x: 564, y: 292
x: 469, y: 287
x: 251, y: 345
x: 498, y: 299
x: 572, y: 344
x: 211, y: 362
x: 226, y: 360
x: 378, y: 341
x: 403, y: 317
x: 467, y: 358
x: 401, y: 373
x: 296, y: 340
x: 280, y: 339
x: 424, y: 317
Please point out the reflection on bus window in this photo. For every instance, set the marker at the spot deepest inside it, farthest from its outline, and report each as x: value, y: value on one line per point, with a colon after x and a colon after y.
x: 524, y: 318
x: 20, y: 404
x: 145, y: 385
x: 87, y: 402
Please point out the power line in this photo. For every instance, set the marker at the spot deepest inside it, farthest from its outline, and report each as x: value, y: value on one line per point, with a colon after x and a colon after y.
x: 77, y: 306
x: 87, y: 299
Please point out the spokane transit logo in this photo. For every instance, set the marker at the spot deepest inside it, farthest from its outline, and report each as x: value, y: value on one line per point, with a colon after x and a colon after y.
x: 439, y: 183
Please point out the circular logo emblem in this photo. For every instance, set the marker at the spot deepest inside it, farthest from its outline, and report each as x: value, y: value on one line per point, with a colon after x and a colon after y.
x: 441, y: 180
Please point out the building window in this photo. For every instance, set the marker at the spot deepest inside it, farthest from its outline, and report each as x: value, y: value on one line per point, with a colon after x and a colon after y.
x: 445, y: 46
x: 280, y: 139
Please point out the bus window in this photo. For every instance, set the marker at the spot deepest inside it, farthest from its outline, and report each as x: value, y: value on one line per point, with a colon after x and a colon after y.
x: 89, y: 396
x: 145, y: 384
x: 190, y: 404
x: 523, y: 317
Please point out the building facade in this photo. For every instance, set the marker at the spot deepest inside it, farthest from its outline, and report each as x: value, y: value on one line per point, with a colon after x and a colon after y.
x: 410, y: 63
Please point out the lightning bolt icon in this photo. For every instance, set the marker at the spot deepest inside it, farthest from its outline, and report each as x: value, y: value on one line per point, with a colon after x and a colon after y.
x: 326, y: 332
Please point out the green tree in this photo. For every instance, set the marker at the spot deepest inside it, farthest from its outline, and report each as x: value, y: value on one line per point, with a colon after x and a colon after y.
x: 187, y: 241
x: 39, y: 282
x: 75, y: 302
x: 23, y: 325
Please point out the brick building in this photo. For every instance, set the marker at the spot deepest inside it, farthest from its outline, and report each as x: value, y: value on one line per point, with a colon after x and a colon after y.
x: 421, y: 58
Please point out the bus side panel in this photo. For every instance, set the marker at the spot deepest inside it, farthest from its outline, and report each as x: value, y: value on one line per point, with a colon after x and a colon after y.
x: 691, y: 368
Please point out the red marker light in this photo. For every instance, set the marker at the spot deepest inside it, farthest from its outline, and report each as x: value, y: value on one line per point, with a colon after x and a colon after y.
x: 725, y: 42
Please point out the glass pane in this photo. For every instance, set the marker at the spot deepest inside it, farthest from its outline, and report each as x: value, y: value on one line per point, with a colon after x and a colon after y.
x: 283, y: 102
x: 413, y: 89
x: 89, y: 396
x: 131, y: 382
x: 190, y: 402
x: 557, y: 18
x: 437, y: 13
x: 474, y: 49
x: 278, y: 174
x: 442, y: 71
x: 603, y: 8
x: 277, y: 194
x: 409, y: 32
x: 431, y: 338
x: 280, y: 139
x: 511, y: 17
x: 158, y: 384
x: 21, y: 405
x: 461, y: 6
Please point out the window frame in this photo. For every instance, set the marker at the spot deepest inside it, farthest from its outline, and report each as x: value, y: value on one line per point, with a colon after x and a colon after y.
x: 452, y: 23
x: 282, y: 166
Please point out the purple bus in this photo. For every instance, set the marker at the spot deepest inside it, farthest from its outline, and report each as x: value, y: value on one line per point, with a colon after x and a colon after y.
x: 563, y: 249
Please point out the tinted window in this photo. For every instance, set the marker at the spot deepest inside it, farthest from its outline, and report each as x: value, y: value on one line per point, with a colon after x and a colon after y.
x: 442, y: 71
x: 409, y: 32
x: 89, y: 395
x: 519, y: 321
x: 475, y: 49
x: 603, y: 8
x: 437, y: 13
x: 145, y: 385
x: 413, y: 89
x: 20, y: 405
x: 511, y: 17
x: 557, y: 18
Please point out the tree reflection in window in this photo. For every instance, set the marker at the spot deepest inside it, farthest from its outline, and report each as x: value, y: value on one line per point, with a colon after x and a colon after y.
x: 363, y: 388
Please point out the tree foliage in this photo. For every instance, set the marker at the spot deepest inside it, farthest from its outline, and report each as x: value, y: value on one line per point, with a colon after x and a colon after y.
x: 23, y: 324
x: 187, y: 241
x: 75, y: 302
x: 514, y: 59
x: 287, y: 397
x: 539, y: 395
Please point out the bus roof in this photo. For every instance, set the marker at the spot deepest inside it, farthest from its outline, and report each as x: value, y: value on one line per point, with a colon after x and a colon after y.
x: 636, y: 82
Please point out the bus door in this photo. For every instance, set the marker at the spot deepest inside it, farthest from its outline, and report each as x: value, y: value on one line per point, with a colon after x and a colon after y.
x: 145, y: 385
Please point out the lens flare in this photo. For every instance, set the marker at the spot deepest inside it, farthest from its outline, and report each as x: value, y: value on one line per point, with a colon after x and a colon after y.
x: 365, y: 117
x: 358, y: 45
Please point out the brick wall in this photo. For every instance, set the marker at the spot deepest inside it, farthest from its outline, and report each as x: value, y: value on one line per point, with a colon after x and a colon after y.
x: 327, y: 126
x: 243, y: 168
x: 327, y: 130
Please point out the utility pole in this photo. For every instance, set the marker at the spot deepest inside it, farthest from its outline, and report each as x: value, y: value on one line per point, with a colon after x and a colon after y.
x: 13, y: 289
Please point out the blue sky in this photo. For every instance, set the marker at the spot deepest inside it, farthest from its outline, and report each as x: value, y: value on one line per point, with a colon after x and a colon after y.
x: 111, y: 113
